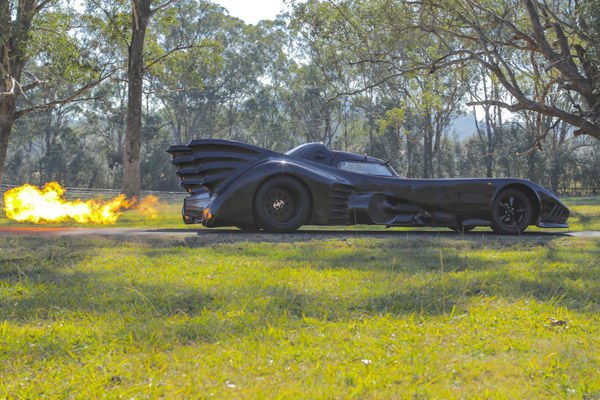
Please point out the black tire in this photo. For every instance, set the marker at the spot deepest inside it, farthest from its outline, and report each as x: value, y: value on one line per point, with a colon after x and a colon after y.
x: 512, y: 212
x: 281, y: 204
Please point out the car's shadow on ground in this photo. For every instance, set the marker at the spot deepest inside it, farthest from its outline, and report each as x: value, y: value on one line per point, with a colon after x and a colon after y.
x: 308, y: 233
x: 354, y: 232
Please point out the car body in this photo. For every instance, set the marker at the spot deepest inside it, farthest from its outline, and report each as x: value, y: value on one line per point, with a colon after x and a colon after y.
x: 237, y: 184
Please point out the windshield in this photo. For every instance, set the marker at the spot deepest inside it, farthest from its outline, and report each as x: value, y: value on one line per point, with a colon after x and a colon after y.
x: 367, y: 168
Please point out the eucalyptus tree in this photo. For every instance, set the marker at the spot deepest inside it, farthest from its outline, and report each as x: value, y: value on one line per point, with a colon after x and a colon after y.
x: 183, y: 85
x: 136, y: 30
x: 42, y: 43
x: 137, y: 66
x: 266, y: 114
x: 310, y: 107
x: 509, y: 38
x: 210, y: 91
x: 372, y: 57
x: 483, y: 87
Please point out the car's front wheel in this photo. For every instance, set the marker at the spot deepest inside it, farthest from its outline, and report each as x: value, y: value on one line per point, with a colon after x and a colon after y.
x: 281, y: 204
x: 512, y: 212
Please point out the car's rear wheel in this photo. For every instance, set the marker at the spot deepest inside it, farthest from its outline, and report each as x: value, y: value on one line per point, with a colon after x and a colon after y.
x: 512, y: 212
x: 281, y: 204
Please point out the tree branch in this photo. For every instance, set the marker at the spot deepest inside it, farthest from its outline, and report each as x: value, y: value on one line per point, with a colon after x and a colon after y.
x: 112, y: 22
x: 166, y: 55
x: 42, y: 4
x: 74, y: 97
x: 135, y: 15
x: 160, y: 7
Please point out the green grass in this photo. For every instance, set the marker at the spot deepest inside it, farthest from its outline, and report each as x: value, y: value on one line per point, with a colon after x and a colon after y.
x: 301, y: 316
x: 308, y: 317
x: 585, y: 213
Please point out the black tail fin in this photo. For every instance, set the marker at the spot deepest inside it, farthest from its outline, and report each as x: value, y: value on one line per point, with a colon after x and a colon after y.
x: 210, y: 163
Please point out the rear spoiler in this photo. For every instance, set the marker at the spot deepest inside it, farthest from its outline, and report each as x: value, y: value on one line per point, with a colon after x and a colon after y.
x: 208, y: 164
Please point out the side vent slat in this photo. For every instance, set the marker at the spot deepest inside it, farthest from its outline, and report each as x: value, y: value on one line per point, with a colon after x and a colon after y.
x: 339, y: 212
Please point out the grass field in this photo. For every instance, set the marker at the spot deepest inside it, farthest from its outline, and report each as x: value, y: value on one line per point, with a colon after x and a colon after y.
x: 302, y: 316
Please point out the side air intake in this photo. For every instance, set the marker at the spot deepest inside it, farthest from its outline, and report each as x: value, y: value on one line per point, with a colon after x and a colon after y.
x: 339, y: 211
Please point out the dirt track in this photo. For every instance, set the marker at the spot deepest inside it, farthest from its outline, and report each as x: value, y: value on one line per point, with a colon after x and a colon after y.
x: 237, y: 235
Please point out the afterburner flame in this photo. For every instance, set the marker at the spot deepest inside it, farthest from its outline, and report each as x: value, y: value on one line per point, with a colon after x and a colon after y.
x: 32, y: 204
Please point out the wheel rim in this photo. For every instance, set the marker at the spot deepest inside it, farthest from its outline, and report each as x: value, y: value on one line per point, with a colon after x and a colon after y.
x: 511, y: 211
x: 280, y: 204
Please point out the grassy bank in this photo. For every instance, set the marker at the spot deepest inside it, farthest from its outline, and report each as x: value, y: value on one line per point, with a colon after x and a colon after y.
x: 390, y: 317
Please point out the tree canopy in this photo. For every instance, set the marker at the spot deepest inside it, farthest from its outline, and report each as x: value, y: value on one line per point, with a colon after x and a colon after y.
x: 534, y: 49
x: 441, y: 89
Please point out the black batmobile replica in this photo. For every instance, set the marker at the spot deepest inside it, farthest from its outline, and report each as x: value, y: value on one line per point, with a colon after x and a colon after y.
x: 236, y: 184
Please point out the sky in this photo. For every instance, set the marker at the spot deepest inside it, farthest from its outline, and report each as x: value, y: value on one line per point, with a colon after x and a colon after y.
x: 252, y: 11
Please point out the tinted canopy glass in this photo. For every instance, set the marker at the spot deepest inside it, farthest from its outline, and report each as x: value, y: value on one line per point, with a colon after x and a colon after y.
x: 367, y: 168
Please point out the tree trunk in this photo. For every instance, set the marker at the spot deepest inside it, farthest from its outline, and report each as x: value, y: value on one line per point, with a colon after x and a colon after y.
x: 132, y: 180
x: 427, y: 148
x: 7, y: 119
x: 327, y: 120
x: 409, y: 156
x: 13, y: 43
x: 427, y: 162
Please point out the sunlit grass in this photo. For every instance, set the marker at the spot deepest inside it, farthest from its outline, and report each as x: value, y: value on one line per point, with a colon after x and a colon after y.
x: 315, y: 317
x: 585, y: 213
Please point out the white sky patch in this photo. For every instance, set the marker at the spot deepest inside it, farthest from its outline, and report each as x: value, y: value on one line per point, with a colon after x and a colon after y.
x: 253, y: 11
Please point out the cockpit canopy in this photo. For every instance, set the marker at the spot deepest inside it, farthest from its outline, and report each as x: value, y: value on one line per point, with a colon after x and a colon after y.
x: 346, y: 161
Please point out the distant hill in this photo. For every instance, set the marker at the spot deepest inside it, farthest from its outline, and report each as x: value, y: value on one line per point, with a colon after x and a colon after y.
x: 463, y: 127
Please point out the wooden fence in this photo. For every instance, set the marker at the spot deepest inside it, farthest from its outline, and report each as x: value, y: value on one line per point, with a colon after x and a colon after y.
x: 575, y: 191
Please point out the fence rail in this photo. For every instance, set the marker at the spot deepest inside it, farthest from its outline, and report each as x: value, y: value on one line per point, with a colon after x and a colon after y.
x: 578, y: 192
x: 88, y: 193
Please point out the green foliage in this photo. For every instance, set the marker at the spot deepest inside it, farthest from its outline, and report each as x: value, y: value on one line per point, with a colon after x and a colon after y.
x: 54, y: 44
x: 394, y: 118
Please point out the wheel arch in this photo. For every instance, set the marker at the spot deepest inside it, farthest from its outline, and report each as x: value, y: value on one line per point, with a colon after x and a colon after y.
x: 529, y: 192
x: 235, y: 202
x: 287, y: 175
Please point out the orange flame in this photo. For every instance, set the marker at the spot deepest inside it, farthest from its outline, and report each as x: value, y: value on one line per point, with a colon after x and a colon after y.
x: 29, y: 203
x: 148, y: 206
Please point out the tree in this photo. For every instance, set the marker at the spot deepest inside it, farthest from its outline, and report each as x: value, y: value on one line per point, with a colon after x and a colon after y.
x: 482, y: 89
x: 145, y: 48
x: 40, y: 32
x: 434, y: 102
x: 185, y: 83
x: 509, y: 38
x: 141, y: 12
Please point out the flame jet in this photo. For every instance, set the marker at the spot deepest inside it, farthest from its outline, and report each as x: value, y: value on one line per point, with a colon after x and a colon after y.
x: 29, y: 203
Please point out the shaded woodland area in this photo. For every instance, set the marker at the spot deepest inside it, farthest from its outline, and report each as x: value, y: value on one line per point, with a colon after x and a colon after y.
x: 95, y: 91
